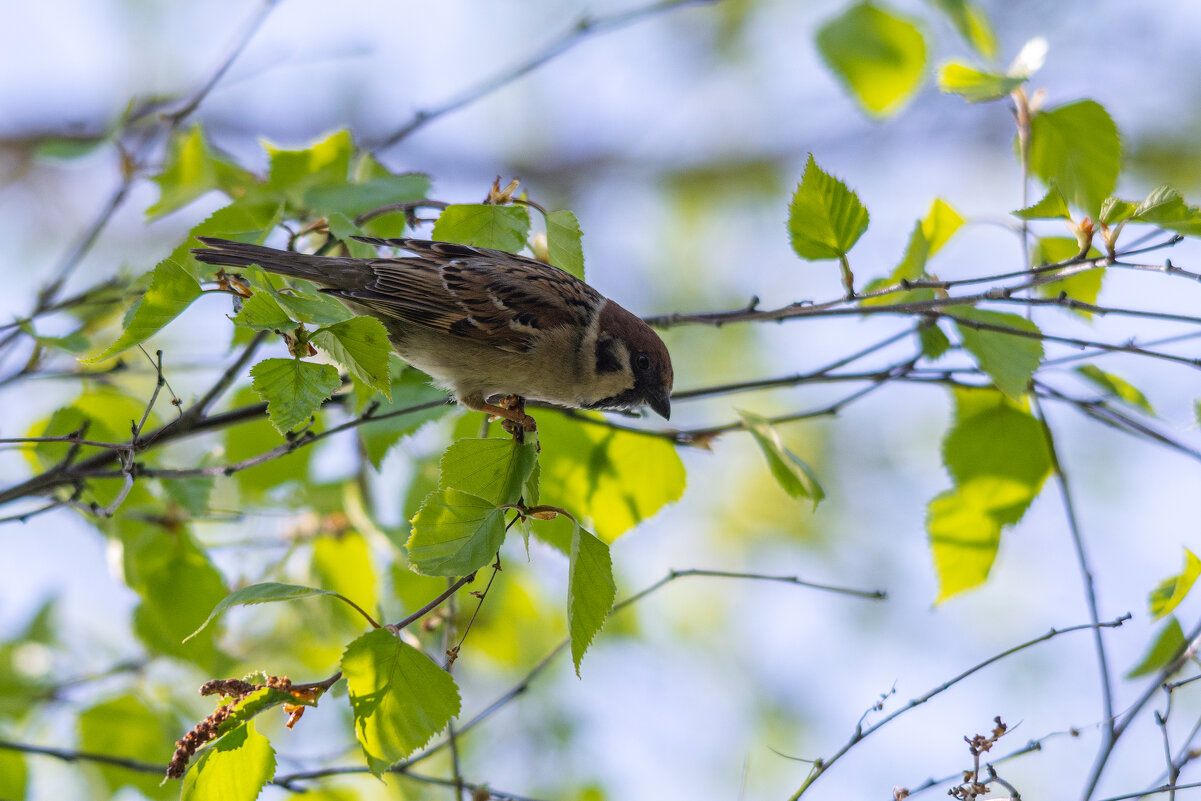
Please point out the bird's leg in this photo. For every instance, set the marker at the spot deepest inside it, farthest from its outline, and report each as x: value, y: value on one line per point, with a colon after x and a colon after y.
x: 516, y: 404
x: 510, y: 409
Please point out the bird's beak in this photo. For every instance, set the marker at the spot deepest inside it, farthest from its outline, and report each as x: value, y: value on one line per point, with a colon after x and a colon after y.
x: 660, y: 402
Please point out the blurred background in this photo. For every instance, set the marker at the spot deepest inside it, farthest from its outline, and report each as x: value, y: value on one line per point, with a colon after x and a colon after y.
x: 678, y: 142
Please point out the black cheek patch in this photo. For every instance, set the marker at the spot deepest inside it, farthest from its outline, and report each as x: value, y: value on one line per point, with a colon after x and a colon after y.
x: 606, y: 357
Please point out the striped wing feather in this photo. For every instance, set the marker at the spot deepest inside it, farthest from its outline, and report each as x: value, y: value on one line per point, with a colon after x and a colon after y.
x: 497, y: 298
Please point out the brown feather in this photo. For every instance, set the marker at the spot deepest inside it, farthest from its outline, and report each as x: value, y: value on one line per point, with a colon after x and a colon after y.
x: 489, y: 296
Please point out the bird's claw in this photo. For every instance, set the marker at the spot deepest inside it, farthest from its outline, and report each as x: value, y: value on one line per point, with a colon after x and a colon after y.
x: 517, y: 423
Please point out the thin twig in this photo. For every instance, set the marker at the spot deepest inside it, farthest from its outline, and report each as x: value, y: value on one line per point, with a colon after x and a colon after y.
x: 25, y: 516
x: 702, y: 437
x: 68, y: 755
x: 584, y: 27
x: 201, y: 407
x: 523, y: 685
x: 822, y: 765
x: 1103, y: 412
x: 434, y: 604
x: 1082, y: 564
x: 301, y: 440
x: 1154, y: 791
x: 249, y: 30
x: 1161, y: 721
x: 482, y: 595
x: 130, y: 171
x: 1178, y: 661
x: 792, y: 380
x: 448, y: 635
x: 138, y: 766
x: 872, y: 595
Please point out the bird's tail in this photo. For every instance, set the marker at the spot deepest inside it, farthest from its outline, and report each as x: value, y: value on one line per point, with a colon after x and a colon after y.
x: 225, y: 253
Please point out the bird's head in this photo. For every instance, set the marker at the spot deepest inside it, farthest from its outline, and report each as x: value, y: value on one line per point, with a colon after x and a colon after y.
x: 632, y: 357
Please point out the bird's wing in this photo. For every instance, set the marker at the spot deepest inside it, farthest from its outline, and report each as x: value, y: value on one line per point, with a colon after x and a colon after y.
x: 496, y: 298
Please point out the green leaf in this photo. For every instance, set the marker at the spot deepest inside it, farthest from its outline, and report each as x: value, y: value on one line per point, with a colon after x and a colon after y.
x: 928, y: 236
x: 293, y: 389
x: 455, y: 533
x: 1083, y: 286
x: 253, y: 438
x: 530, y: 496
x: 75, y: 342
x: 342, y: 229
x: 354, y: 199
x: 825, y: 219
x: 1077, y: 146
x: 913, y: 263
x: 590, y: 591
x: 1009, y: 359
x: 972, y: 24
x: 261, y: 312
x: 125, y: 727
x: 976, y: 86
x: 236, y: 768
x: 307, y: 306
x: 1078, y: 284
x: 1172, y: 590
x: 494, y: 469
x: 1114, y: 210
x: 1120, y: 388
x: 1166, y: 208
x: 361, y: 346
x: 880, y: 56
x: 563, y: 242
x: 172, y: 289
x: 14, y: 776
x: 933, y: 341
x: 1167, y: 643
x: 410, y: 388
x: 266, y: 592
x: 484, y: 225
x: 68, y: 148
x: 193, y: 168
x: 996, y: 454
x: 255, y: 703
x: 343, y: 565
x: 1052, y: 206
x: 192, y: 494
x: 293, y: 172
x: 178, y: 585
x: 996, y: 442
x: 610, y: 479
x: 789, y: 470
x: 1162, y: 200
x: 940, y: 224
x: 399, y: 697
x: 964, y: 538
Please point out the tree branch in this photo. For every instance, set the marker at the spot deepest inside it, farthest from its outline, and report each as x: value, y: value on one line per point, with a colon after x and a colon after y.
x: 820, y: 766
x: 1191, y: 642
x: 1086, y: 575
x: 292, y: 779
x: 584, y: 27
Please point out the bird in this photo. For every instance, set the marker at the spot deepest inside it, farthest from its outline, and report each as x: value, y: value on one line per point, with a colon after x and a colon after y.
x: 487, y: 324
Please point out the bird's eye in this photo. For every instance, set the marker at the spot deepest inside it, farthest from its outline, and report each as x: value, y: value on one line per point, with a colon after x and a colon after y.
x: 642, y: 362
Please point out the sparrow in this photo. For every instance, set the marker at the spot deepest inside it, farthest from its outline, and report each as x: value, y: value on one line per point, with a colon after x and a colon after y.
x: 487, y: 324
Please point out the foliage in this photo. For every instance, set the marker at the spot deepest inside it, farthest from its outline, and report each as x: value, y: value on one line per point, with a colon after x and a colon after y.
x: 148, y: 470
